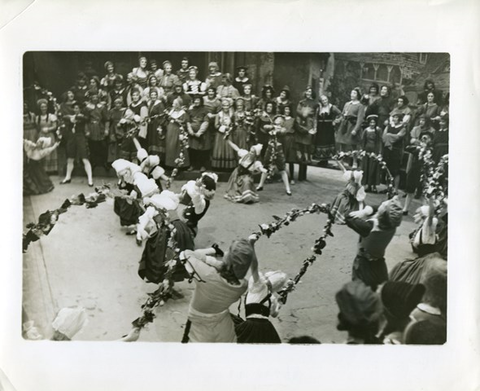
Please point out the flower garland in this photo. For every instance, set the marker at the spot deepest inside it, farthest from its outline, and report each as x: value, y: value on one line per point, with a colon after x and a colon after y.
x: 320, y: 243
x: 391, y: 192
x: 180, y: 160
x: 48, y: 219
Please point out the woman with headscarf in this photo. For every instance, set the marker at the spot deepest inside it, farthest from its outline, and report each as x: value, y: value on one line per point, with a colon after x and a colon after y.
x: 209, y: 318
x: 199, y: 140
x: 241, y: 187
x: 226, y: 89
x: 168, y: 80
x: 327, y: 114
x: 376, y: 231
x: 350, y: 128
x: 214, y: 78
x: 176, y: 125
x: 360, y: 311
x: 47, y: 124
x: 399, y: 299
x: 140, y: 74
x: 305, y: 129
x: 223, y: 157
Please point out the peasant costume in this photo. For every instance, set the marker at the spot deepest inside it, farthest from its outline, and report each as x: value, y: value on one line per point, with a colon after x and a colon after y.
x: 430, y: 112
x: 150, y: 166
x: 97, y: 117
x: 116, y: 133
x: 167, y: 82
x: 242, y: 128
x: 440, y: 144
x: 260, y: 304
x: 288, y: 141
x: 155, y: 141
x: 140, y: 76
x: 371, y: 142
x: 199, y: 143
x: 47, y: 125
x: 153, y: 264
x: 35, y: 179
x: 369, y: 265
x: 352, y: 118
x: 214, y: 80
x: 127, y: 207
x: 223, y: 156
x: 263, y: 125
x: 393, y: 140
x: 240, y: 187
x: 349, y: 200
x: 227, y: 92
x: 274, y: 157
x: 194, y: 87
x: 176, y: 127
x: 75, y: 138
x: 305, y: 129
x: 325, y: 137
x: 30, y: 131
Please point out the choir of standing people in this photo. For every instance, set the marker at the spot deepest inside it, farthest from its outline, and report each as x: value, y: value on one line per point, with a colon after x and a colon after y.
x: 163, y: 106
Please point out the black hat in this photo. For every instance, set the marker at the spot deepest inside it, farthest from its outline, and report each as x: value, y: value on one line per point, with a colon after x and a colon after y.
x: 242, y: 67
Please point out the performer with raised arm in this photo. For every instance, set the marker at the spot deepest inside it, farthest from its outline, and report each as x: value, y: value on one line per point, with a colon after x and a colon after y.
x: 240, y: 186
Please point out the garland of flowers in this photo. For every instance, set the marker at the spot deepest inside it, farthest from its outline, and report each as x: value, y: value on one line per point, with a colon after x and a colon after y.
x: 391, y: 192
x: 180, y: 160
x: 320, y: 243
x: 317, y: 248
x: 48, y: 219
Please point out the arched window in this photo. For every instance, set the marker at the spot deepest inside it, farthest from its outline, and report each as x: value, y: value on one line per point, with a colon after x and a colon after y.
x: 395, y: 75
x: 368, y: 72
x: 382, y: 73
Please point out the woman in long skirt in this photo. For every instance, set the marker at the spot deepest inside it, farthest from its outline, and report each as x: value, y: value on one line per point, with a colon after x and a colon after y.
x: 47, y: 124
x: 325, y: 137
x: 176, y: 128
x: 371, y: 143
x: 223, y: 156
x: 35, y: 179
x: 240, y: 187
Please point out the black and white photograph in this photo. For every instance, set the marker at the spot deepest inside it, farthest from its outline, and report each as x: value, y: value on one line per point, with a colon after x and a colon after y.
x: 239, y: 195
x: 162, y: 193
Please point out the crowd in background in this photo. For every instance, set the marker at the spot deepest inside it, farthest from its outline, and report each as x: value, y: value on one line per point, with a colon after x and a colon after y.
x: 160, y: 103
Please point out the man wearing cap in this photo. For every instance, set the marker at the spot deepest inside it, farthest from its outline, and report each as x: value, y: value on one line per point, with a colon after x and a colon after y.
x: 224, y: 283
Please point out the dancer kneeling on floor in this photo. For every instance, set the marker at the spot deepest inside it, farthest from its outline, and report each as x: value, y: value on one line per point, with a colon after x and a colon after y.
x: 209, y: 319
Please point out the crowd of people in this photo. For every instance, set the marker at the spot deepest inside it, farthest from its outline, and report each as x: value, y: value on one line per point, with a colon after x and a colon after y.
x: 155, y: 121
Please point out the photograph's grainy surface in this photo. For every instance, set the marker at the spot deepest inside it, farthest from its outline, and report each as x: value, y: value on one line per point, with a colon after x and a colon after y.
x: 235, y: 197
